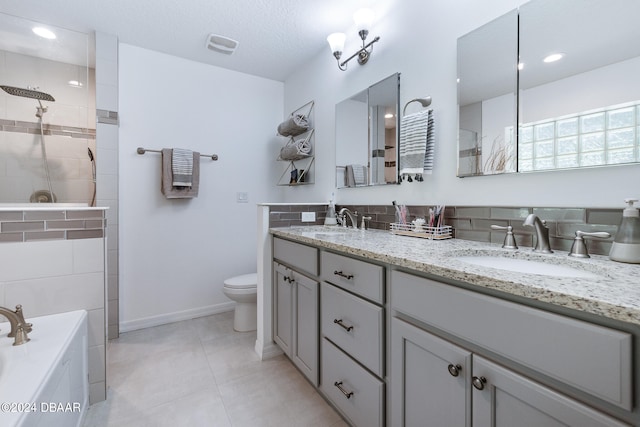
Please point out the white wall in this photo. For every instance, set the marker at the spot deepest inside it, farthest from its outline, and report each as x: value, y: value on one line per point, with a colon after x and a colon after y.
x: 418, y: 39
x: 175, y: 254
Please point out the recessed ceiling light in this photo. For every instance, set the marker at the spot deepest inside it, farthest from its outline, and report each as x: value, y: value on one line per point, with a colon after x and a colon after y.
x: 44, y: 33
x: 553, y: 57
x: 388, y: 116
x: 74, y: 83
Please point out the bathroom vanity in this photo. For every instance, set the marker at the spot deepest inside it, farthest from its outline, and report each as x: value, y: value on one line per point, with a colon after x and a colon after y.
x: 412, y: 330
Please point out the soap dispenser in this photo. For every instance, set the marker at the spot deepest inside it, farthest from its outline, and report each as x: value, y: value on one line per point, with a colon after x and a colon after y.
x: 330, y: 219
x: 626, y: 245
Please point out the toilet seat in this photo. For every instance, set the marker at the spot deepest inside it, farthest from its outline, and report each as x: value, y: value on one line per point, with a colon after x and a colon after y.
x: 245, y: 281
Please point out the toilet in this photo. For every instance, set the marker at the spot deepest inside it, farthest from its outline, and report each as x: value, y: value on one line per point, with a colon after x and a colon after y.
x: 243, y: 290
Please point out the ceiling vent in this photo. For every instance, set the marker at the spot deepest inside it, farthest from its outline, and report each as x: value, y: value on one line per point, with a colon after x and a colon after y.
x: 221, y: 44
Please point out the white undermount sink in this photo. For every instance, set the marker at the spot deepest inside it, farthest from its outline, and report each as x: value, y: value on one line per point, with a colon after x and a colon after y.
x: 527, y: 266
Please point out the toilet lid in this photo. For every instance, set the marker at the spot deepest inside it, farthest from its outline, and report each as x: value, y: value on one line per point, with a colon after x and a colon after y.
x: 246, y: 281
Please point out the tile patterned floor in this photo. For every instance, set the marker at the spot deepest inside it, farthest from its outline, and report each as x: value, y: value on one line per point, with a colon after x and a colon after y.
x: 202, y: 373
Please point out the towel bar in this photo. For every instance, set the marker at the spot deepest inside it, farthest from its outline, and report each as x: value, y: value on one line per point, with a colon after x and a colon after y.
x: 141, y: 150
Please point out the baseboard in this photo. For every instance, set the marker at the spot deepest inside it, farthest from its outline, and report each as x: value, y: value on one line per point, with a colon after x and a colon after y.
x: 176, y: 316
x: 267, y: 351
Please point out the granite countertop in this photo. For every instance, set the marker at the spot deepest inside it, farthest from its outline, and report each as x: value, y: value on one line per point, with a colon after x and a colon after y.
x: 612, y: 289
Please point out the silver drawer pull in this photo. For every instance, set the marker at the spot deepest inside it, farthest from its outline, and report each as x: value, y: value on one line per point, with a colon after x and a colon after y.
x: 454, y: 370
x: 341, y: 274
x: 339, y: 322
x: 347, y: 394
x: 479, y: 382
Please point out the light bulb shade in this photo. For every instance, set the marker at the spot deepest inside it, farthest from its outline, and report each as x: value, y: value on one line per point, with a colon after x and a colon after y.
x: 336, y: 42
x: 363, y: 19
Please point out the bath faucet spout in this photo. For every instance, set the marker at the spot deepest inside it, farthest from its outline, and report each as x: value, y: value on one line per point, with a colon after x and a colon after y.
x: 542, y: 233
x: 19, y: 327
x: 352, y: 216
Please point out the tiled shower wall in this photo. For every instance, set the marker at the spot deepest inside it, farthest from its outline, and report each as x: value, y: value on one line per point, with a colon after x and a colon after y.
x: 474, y: 222
x: 68, y: 127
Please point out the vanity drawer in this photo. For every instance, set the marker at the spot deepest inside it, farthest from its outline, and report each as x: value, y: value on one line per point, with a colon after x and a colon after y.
x: 296, y: 255
x: 353, y: 275
x: 365, y: 406
x: 589, y: 357
x: 354, y: 325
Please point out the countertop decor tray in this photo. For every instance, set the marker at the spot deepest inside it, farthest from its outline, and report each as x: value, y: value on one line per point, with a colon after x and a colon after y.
x: 424, y: 232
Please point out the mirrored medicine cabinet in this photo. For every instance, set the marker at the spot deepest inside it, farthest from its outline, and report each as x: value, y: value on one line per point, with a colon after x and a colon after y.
x: 520, y: 109
x: 367, y: 136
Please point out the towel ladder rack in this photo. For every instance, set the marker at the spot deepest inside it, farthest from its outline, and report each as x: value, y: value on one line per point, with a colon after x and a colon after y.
x: 141, y: 150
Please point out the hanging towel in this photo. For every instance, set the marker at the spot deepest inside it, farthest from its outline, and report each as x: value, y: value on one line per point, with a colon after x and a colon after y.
x: 182, y: 167
x: 428, y: 156
x: 414, y: 129
x: 295, y: 125
x: 356, y: 175
x: 166, y: 184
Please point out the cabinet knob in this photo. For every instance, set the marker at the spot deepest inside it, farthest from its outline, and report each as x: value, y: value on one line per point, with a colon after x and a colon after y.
x: 341, y: 274
x: 347, y: 394
x: 339, y: 323
x: 479, y: 382
x: 454, y: 370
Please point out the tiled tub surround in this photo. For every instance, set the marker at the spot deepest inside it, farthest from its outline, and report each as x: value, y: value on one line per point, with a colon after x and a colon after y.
x: 474, y: 222
x: 52, y: 260
x: 42, y: 223
x: 615, y: 295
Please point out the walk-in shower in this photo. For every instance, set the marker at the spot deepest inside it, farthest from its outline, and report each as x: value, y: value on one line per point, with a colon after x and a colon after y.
x: 39, y: 196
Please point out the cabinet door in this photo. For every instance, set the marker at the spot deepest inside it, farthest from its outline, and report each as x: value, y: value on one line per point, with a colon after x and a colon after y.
x: 305, y: 343
x: 504, y: 398
x: 430, y: 379
x: 283, y: 299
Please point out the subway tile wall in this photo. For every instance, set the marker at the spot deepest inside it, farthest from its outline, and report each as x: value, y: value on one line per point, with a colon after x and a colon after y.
x: 474, y: 222
x: 30, y: 225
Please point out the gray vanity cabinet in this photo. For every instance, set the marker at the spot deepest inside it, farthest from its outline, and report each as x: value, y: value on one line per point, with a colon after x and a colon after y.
x: 504, y: 398
x: 353, y: 338
x: 296, y: 319
x: 430, y: 385
x: 440, y: 380
x: 296, y: 305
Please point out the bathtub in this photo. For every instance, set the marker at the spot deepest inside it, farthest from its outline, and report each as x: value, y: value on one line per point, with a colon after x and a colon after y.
x: 44, y: 382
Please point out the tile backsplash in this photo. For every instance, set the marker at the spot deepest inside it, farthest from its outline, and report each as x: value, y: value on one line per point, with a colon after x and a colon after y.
x: 474, y: 222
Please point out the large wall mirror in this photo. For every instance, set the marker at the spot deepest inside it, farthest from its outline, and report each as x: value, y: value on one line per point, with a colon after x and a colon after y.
x: 579, y: 108
x: 367, y: 136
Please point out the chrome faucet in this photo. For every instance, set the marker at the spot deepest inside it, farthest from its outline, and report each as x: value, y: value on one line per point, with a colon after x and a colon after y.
x: 542, y: 233
x: 19, y: 327
x: 352, y: 216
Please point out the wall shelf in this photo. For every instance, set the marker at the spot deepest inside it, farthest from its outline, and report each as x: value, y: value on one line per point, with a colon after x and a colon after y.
x: 297, y: 151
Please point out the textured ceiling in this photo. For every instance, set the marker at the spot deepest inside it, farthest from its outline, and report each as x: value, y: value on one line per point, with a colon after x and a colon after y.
x: 275, y: 36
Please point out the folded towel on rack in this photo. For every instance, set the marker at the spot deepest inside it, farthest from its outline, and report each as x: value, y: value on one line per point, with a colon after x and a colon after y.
x: 167, y: 187
x: 416, y: 132
x: 355, y: 175
x: 295, y: 125
x: 182, y: 167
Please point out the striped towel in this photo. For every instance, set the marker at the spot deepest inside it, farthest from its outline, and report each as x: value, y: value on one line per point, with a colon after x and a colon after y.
x: 416, y: 143
x: 182, y: 167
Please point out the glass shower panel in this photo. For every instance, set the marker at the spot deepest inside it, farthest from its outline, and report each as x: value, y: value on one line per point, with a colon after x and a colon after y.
x: 47, y: 142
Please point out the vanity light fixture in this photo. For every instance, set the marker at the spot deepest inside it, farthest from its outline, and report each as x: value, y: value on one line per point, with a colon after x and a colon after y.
x: 553, y: 57
x: 363, y: 19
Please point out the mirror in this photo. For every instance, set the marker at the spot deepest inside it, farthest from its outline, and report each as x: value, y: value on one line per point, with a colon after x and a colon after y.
x: 579, y: 111
x: 367, y: 135
x: 487, y: 59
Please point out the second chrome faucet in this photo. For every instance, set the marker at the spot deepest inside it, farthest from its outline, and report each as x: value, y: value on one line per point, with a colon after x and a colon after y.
x: 542, y: 233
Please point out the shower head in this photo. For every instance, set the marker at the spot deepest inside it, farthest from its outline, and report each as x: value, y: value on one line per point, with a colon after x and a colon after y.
x: 27, y: 93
